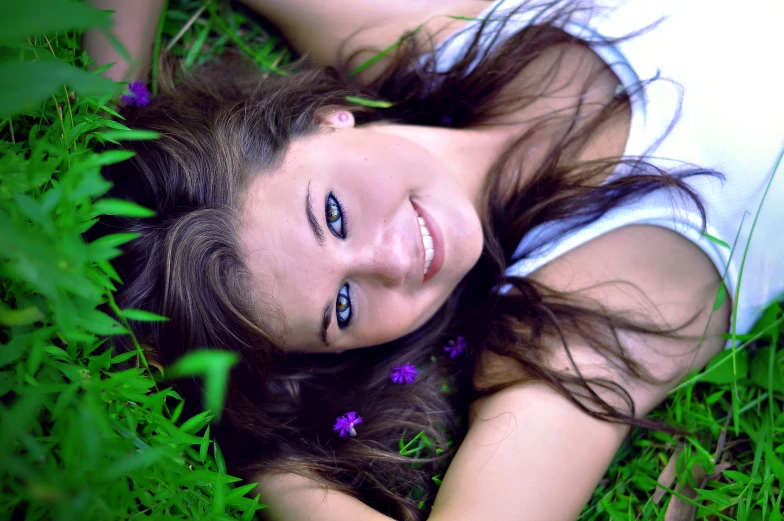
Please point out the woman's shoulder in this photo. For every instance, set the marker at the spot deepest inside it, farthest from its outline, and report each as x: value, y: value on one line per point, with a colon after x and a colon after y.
x: 652, y: 256
x: 642, y: 272
x: 646, y: 272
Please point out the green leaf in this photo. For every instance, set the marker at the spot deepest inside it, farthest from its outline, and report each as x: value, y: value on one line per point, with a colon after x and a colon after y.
x: 213, y: 366
x: 196, y: 423
x: 129, y: 135
x: 111, y: 111
x: 118, y: 46
x: 123, y: 357
x: 107, y: 268
x: 219, y: 458
x: 57, y: 353
x: 20, y: 317
x: 240, y: 492
x: 716, y: 240
x: 91, y: 185
x: 738, y: 476
x: 100, y: 362
x: 13, y: 429
x: 721, y: 295
x: 384, y: 52
x: 12, y: 351
x: 114, y: 240
x: 204, y: 445
x: 720, y: 370
x: 143, y: 316
x: 769, y: 323
x: 132, y: 463
x: 116, y: 125
x: 100, y: 323
x: 177, y: 410
x: 34, y: 211
x: 367, y: 102
x: 760, y: 367
x: 22, y: 19
x: 775, y: 463
x: 23, y: 86
x: 111, y: 157
x: 119, y: 207
x: 716, y: 497
x: 197, y: 45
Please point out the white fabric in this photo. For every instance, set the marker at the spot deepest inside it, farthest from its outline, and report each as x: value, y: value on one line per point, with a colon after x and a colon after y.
x: 723, y: 62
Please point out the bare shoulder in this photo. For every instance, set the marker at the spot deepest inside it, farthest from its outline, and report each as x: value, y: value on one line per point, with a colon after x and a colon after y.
x: 647, y: 273
x: 638, y: 267
x: 318, y: 28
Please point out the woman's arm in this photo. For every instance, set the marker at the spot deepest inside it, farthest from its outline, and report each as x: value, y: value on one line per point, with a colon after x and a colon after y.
x: 134, y: 25
x: 533, y: 456
x: 294, y: 498
x: 529, y: 452
x: 317, y: 28
x: 529, y: 455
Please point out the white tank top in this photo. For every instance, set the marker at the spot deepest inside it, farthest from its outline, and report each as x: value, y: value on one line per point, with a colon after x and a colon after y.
x: 720, y: 60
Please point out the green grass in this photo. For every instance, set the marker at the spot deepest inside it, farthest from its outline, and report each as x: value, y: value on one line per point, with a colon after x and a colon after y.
x: 82, y: 439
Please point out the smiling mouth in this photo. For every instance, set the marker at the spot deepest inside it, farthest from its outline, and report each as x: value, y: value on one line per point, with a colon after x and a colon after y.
x: 427, y: 241
x: 432, y: 243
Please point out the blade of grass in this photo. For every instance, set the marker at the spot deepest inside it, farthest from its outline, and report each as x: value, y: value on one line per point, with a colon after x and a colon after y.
x: 156, y: 50
x: 187, y: 25
x: 195, y: 49
x: 221, y: 25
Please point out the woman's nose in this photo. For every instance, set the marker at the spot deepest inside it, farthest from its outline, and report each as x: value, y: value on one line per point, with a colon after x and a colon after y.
x: 389, y: 259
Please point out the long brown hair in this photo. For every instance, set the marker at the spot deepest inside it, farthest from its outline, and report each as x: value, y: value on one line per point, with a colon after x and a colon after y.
x: 229, y: 122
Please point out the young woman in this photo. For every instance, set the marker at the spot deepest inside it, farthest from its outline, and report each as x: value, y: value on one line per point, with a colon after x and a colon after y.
x: 543, y: 218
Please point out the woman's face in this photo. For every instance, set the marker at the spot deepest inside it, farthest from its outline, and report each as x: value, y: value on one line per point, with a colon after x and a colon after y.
x: 335, y: 241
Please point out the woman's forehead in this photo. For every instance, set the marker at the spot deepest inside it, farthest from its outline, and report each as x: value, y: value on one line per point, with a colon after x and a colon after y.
x: 282, y: 254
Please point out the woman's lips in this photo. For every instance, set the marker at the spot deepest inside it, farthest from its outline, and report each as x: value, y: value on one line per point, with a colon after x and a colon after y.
x: 438, y: 243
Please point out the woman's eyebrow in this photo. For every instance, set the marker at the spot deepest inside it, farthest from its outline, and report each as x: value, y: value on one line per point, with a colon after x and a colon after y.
x: 312, y: 220
x: 326, y: 319
x: 326, y: 315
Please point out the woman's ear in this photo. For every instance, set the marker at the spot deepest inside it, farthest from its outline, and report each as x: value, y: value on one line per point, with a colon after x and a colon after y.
x: 335, y: 118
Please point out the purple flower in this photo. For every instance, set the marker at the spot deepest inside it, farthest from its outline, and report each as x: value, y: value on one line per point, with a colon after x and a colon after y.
x: 404, y: 374
x: 139, y: 95
x: 455, y: 347
x: 345, y: 424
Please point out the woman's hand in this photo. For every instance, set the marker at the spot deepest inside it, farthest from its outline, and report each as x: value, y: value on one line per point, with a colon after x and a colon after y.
x: 135, y: 22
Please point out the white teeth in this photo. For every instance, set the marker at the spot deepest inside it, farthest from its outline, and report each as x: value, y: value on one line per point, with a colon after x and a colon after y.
x: 427, y: 241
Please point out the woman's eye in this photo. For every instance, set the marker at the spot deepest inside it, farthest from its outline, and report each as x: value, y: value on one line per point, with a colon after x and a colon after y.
x: 334, y: 215
x: 343, y: 306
